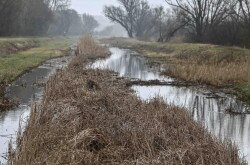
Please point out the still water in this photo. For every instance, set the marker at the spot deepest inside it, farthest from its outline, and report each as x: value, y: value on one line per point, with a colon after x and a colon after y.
x: 25, y: 90
x: 205, y: 106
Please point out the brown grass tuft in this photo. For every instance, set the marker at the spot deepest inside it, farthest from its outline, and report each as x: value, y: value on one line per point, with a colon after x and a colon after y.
x: 76, y: 125
x: 88, y: 47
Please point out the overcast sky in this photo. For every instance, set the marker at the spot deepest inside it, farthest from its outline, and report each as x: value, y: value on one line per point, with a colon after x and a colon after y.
x: 95, y: 7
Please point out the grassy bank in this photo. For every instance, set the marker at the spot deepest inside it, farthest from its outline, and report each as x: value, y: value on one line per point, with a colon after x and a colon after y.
x: 13, y: 45
x: 90, y: 117
x: 13, y: 65
x: 18, y: 55
x: 213, y: 65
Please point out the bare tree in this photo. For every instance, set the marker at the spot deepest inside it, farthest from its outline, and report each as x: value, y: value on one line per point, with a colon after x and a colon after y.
x: 159, y: 23
x: 89, y: 24
x: 136, y: 16
x: 171, y: 23
x: 124, y: 14
x: 244, y: 6
x: 57, y: 4
x: 202, y: 14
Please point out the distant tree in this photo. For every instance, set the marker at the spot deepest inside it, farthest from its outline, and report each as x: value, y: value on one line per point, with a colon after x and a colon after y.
x: 124, y: 14
x: 202, y: 14
x: 171, y: 23
x: 63, y: 23
x: 159, y: 23
x: 28, y: 17
x: 35, y: 17
x: 244, y: 12
x: 89, y: 24
x: 240, y: 18
x: 56, y: 5
x: 135, y: 16
x: 10, y: 11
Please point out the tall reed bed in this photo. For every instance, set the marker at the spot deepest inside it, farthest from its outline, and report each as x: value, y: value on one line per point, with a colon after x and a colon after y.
x: 91, y: 117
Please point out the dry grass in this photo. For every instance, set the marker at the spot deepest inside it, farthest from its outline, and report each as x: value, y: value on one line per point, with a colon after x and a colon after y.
x: 211, y: 74
x: 203, y: 63
x: 215, y: 65
x: 90, y: 117
x: 88, y: 47
x: 211, y: 67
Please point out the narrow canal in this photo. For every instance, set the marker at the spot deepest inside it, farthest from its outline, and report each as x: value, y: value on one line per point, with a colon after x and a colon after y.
x: 205, y: 106
x: 26, y: 89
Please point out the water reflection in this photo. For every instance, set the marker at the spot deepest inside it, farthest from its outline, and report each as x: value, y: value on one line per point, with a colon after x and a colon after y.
x: 129, y: 64
x: 26, y: 90
x: 207, y: 110
x: 204, y: 106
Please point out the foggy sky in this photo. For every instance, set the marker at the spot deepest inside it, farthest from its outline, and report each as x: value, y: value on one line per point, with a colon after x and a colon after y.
x: 95, y: 7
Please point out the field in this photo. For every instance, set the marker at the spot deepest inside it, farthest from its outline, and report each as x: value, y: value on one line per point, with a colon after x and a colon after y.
x: 91, y: 117
x: 213, y: 65
x: 18, y: 55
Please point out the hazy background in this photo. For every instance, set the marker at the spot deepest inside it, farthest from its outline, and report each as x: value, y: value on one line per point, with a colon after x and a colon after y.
x: 95, y: 7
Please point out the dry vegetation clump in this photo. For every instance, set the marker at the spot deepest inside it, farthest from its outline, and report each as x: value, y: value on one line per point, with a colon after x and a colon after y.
x: 211, y: 67
x: 88, y: 47
x: 90, y: 117
x: 211, y: 74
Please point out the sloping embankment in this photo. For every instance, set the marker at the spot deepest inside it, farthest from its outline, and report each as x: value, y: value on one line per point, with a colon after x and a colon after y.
x: 90, y: 117
x: 9, y: 46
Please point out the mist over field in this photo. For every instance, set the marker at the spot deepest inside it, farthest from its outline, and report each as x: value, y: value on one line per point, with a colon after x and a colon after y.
x: 125, y: 82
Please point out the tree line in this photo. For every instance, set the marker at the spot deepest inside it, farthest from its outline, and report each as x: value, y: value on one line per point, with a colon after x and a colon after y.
x: 42, y: 17
x: 215, y: 21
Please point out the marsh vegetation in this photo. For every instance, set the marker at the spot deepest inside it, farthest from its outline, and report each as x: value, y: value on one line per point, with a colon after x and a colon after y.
x: 213, y: 65
x: 177, y: 89
x: 95, y: 119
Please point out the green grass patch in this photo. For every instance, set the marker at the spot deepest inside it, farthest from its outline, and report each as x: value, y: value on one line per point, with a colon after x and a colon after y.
x: 13, y: 65
x: 244, y: 90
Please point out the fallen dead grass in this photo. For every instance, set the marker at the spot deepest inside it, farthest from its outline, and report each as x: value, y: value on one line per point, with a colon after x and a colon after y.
x: 90, y: 117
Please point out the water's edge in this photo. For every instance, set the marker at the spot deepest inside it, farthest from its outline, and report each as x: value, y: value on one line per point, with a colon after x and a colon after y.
x: 203, y: 104
x: 26, y: 89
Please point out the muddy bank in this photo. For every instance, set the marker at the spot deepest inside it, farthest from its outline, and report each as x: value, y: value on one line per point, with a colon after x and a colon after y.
x: 89, y: 116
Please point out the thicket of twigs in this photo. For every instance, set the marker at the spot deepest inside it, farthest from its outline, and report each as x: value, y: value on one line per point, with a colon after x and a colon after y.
x: 90, y: 117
